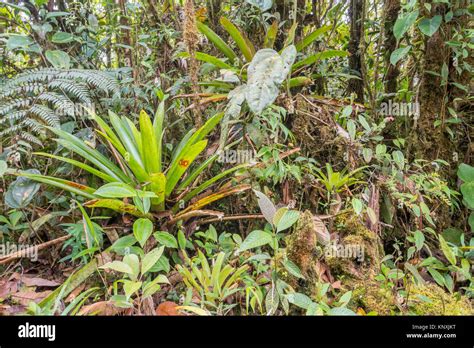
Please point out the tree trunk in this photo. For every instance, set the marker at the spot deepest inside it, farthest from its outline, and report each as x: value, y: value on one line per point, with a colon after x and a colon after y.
x: 391, y: 9
x: 432, y: 143
x: 356, y: 15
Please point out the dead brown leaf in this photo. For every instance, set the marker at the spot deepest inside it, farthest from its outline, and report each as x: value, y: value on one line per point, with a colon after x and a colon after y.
x: 167, y: 308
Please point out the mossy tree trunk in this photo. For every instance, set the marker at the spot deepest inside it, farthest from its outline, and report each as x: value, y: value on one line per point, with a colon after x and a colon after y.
x: 356, y: 17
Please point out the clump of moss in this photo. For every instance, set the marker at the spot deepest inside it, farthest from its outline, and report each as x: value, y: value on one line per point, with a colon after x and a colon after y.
x: 430, y: 299
x: 372, y: 297
x: 354, y: 234
x: 301, y: 245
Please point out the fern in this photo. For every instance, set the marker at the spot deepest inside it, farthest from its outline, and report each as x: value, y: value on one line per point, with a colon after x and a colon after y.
x: 42, y: 97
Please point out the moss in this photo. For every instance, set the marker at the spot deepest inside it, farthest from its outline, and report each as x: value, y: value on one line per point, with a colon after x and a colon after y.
x: 354, y: 238
x: 430, y: 299
x: 301, y: 244
x: 372, y: 297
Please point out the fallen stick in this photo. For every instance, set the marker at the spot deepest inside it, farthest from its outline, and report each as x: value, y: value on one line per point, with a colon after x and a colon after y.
x: 24, y: 252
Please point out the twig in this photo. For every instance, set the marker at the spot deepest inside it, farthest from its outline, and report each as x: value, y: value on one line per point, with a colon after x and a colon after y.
x: 24, y: 252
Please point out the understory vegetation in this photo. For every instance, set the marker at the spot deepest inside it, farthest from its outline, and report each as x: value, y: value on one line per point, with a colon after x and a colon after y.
x: 236, y: 157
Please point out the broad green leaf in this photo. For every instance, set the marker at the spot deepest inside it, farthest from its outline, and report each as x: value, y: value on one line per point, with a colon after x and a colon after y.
x: 467, y: 190
x: 118, y: 266
x: 466, y: 172
x: 134, y: 263
x: 166, y: 239
x: 151, y: 258
x: 398, y: 54
x: 429, y: 26
x: 267, y: 207
x: 62, y: 37
x: 293, y: 269
x: 22, y: 191
x: 256, y: 239
x: 116, y: 190
x: 265, y: 74
x: 287, y: 220
x: 58, y: 59
x: 403, y: 23
x: 419, y: 239
x: 142, y: 230
x: 299, y: 299
x: 130, y: 287
x: 124, y: 242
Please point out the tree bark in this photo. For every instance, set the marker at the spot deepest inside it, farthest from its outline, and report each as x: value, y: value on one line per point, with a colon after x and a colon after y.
x: 391, y: 9
x: 356, y: 15
x: 433, y: 96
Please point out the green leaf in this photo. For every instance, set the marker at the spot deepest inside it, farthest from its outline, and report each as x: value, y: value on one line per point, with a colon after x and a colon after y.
x: 216, y: 40
x: 62, y: 37
x: 18, y: 41
x: 3, y: 167
x: 256, y: 239
x: 287, y: 220
x: 399, y: 54
x: 447, y: 250
x: 309, y: 39
x: 403, y: 23
x: 151, y: 258
x: 357, y: 205
x: 240, y: 39
x: 340, y: 311
x: 293, y: 269
x: 58, y: 59
x: 142, y: 230
x: 466, y: 172
x: 467, y: 190
x: 130, y: 287
x: 419, y: 240
x: 429, y: 26
x: 124, y: 242
x: 166, y: 239
x: 22, y: 191
x: 263, y: 5
x: 134, y: 263
x: 437, y: 276
x: 265, y: 74
x: 267, y: 207
x: 118, y: 266
x: 300, y: 300
x: 116, y: 190
x: 319, y: 56
x: 181, y: 240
